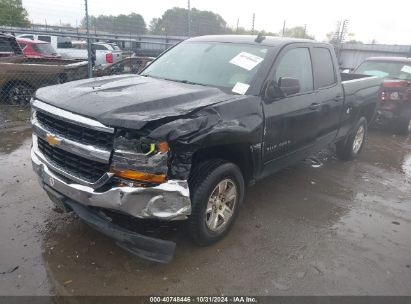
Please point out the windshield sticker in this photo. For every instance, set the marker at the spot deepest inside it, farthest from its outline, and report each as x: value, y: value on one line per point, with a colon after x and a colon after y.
x: 240, y: 88
x: 246, y: 60
x: 406, y: 69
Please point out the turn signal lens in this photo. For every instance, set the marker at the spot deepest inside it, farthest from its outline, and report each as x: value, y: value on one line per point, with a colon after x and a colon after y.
x: 140, y: 176
x: 162, y: 147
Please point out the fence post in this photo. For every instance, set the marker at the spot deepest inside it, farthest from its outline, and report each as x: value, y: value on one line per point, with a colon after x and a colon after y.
x: 89, y: 63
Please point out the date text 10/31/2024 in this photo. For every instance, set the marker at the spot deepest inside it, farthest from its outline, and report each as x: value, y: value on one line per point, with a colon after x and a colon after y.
x: 204, y: 299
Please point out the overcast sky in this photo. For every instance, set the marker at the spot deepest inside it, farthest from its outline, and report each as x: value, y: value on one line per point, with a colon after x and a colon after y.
x: 385, y: 21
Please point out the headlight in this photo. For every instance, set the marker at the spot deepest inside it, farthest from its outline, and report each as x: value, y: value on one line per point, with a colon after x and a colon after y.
x: 137, y: 159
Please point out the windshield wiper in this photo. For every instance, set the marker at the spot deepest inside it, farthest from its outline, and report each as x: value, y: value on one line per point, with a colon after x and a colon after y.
x: 185, y: 81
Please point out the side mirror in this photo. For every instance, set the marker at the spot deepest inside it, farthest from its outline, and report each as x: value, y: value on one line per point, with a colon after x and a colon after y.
x: 289, y: 86
x: 272, y: 91
x: 346, y: 71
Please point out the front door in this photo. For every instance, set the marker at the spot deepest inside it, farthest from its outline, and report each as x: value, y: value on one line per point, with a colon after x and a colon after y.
x: 291, y: 122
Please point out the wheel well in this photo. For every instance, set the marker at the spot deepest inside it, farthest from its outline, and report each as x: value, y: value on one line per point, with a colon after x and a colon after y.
x: 238, y: 154
x: 11, y: 83
x: 369, y: 112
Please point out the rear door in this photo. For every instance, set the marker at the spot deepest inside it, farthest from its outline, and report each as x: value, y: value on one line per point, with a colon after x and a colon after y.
x: 329, y: 93
x: 291, y: 122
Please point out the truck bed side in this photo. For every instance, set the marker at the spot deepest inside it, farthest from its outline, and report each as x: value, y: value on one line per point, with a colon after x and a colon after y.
x: 361, y: 96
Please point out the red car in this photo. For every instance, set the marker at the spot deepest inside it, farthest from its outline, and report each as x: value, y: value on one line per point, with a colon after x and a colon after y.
x: 37, y: 49
x: 395, y: 105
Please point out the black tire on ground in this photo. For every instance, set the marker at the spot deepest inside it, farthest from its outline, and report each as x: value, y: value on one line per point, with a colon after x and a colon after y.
x: 350, y: 147
x: 205, y: 183
x: 19, y: 94
x: 403, y: 126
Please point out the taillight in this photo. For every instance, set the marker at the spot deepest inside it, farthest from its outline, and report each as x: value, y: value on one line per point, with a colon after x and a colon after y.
x: 109, y: 57
x: 391, y: 95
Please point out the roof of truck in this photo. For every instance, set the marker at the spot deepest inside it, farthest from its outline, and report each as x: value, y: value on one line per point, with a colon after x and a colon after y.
x: 393, y: 59
x: 251, y: 39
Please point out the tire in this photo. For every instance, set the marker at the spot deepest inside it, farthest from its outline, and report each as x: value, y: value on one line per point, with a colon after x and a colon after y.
x: 350, y: 147
x: 212, y: 216
x: 19, y: 94
x: 404, y: 126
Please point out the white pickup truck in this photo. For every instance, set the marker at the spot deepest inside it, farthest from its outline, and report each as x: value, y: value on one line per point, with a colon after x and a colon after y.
x: 105, y: 53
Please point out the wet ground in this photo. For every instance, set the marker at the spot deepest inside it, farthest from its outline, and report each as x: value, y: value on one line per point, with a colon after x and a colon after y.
x: 323, y: 227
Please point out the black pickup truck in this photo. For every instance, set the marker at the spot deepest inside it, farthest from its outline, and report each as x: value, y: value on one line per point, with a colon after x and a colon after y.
x: 182, y: 140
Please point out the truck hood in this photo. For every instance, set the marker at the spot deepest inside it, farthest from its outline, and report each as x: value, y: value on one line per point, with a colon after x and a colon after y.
x: 130, y: 101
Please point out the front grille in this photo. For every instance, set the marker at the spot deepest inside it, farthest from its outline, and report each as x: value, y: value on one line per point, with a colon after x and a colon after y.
x: 75, y: 132
x: 78, y: 166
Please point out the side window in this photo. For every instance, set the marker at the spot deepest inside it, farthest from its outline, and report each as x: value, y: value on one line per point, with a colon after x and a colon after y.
x: 27, y: 37
x: 296, y: 63
x: 324, y: 73
x: 45, y: 38
x: 99, y: 47
x: 64, y: 43
x: 5, y: 46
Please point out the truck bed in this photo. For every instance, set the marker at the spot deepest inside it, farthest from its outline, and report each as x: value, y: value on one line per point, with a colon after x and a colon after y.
x: 361, y: 94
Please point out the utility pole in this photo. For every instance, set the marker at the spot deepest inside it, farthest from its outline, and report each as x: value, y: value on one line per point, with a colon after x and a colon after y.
x: 238, y: 21
x: 283, y: 28
x: 252, y: 28
x: 188, y: 19
x: 305, y: 30
x: 89, y: 63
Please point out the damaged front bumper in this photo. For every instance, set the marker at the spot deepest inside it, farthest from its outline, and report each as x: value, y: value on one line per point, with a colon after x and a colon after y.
x: 167, y: 201
x: 152, y: 249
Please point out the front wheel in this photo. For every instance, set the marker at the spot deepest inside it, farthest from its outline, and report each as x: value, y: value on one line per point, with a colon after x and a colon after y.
x: 351, y: 146
x: 19, y: 94
x: 217, y: 191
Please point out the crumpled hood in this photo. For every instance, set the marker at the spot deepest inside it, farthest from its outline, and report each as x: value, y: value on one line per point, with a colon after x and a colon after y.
x: 130, y: 101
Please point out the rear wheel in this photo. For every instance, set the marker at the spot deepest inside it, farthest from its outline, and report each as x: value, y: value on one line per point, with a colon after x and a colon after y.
x: 217, y: 191
x: 19, y: 94
x: 350, y: 147
x: 404, y: 126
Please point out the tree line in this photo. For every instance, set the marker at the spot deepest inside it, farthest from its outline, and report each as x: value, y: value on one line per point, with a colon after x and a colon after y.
x: 174, y: 22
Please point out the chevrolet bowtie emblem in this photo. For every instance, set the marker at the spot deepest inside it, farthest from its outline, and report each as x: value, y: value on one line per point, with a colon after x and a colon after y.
x: 53, y: 140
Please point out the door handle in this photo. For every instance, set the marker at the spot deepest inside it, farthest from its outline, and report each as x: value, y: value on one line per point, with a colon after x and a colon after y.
x: 338, y: 98
x: 315, y: 106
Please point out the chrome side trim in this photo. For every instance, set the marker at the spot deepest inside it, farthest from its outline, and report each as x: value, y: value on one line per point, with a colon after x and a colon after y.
x: 86, y: 151
x: 100, y: 182
x: 70, y: 117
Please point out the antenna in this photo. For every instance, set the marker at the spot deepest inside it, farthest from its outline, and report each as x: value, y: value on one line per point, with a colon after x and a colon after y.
x: 260, y: 37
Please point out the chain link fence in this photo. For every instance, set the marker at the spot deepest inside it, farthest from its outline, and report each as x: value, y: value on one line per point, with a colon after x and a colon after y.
x: 35, y: 54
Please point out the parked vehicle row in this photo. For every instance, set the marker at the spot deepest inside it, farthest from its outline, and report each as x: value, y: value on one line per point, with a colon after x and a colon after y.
x: 20, y: 76
x: 102, y: 53
x: 395, y: 106
x: 182, y: 140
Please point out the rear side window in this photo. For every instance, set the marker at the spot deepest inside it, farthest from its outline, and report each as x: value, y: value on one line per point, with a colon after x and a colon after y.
x: 27, y: 37
x: 99, y: 47
x: 45, y: 38
x: 324, y: 72
x: 5, y: 46
x: 296, y: 63
x: 64, y: 43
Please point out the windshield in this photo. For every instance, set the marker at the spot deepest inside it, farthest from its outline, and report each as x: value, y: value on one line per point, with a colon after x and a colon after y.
x: 224, y: 65
x: 386, y: 69
x: 44, y: 48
